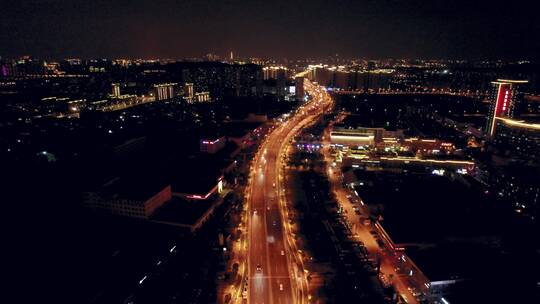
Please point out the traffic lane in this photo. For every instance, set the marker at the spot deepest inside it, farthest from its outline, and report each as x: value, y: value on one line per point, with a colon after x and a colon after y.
x: 282, y: 278
x: 261, y: 267
x: 257, y: 282
x: 280, y: 271
x: 280, y: 268
x: 269, y: 161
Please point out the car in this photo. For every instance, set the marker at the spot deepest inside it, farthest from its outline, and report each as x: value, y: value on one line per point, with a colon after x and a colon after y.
x: 282, y: 252
x: 259, y: 268
x: 280, y: 287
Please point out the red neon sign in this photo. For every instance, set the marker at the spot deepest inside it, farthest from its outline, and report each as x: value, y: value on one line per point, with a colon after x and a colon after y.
x: 504, y: 96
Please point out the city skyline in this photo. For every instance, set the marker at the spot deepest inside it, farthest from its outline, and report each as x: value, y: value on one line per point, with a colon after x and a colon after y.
x: 258, y: 152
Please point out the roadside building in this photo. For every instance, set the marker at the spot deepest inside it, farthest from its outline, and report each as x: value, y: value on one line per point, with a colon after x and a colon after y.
x: 137, y: 198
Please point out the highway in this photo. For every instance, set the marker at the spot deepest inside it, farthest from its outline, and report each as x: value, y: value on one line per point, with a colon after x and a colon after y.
x: 275, y: 270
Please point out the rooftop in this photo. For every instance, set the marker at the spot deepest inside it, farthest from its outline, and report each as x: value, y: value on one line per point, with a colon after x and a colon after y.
x: 229, y: 129
x: 373, y: 120
x: 425, y: 209
x: 133, y: 187
x: 197, y: 174
x: 182, y: 212
x: 450, y: 261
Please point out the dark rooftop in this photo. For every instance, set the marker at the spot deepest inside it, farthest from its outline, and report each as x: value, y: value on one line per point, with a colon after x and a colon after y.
x: 180, y: 211
x: 228, y: 129
x: 134, y: 187
x: 197, y: 174
x: 238, y: 128
x: 370, y: 121
x: 453, y: 262
x: 423, y: 208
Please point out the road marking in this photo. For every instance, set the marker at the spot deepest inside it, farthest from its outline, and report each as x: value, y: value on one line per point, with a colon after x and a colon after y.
x: 269, y: 277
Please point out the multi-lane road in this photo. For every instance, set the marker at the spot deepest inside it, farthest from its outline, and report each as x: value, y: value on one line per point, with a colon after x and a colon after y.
x: 275, y: 270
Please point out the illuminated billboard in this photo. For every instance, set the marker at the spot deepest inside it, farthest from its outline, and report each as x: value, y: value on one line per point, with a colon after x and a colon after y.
x: 503, y: 101
x: 292, y: 89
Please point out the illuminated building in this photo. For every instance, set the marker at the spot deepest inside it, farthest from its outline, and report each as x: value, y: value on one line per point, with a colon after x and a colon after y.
x: 202, y: 97
x: 132, y: 198
x: 212, y: 57
x: 426, y: 146
x: 188, y: 92
x: 518, y: 139
x: 220, y: 79
x: 504, y: 99
x: 344, y: 78
x: 353, y: 137
x: 115, y: 103
x: 7, y: 69
x: 275, y: 72
x: 60, y: 106
x: 280, y: 74
x: 363, y: 136
x: 164, y: 91
x: 115, y: 89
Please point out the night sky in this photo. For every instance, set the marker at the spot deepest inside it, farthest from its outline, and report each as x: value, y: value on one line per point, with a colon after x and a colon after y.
x: 469, y: 29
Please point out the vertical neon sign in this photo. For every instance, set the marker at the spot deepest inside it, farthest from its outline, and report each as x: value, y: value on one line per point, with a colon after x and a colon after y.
x: 501, y: 104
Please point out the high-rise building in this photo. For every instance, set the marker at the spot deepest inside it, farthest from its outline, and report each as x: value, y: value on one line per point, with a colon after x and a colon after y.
x: 220, y: 79
x: 164, y: 91
x: 275, y: 72
x: 189, y: 92
x: 299, y: 88
x: 115, y: 89
x: 280, y: 74
x: 504, y: 98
